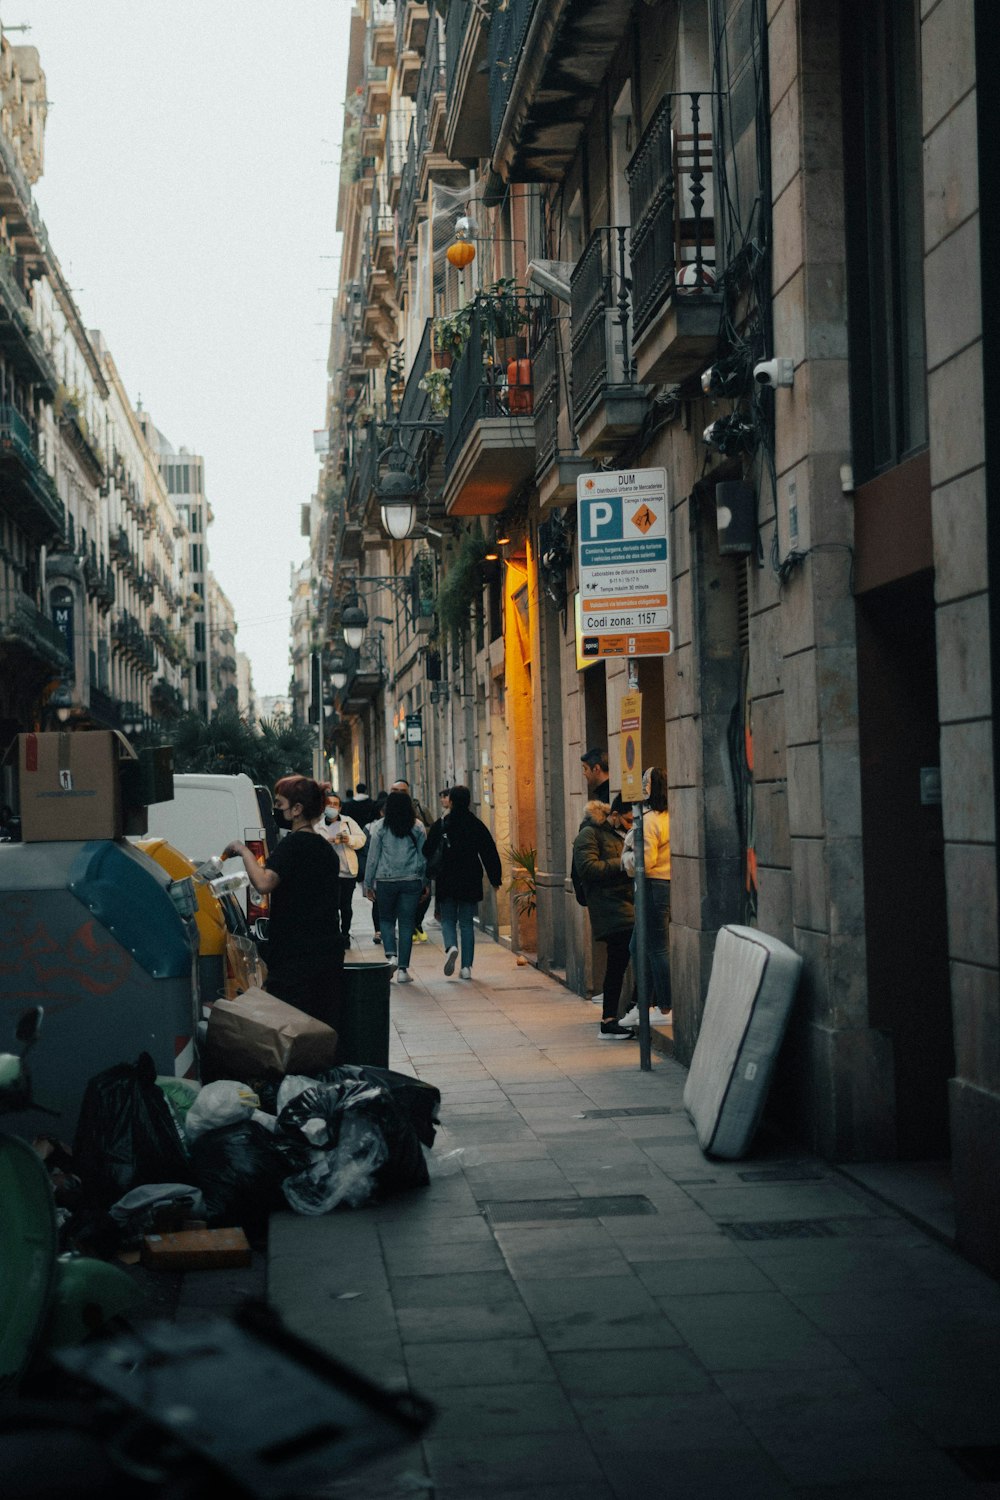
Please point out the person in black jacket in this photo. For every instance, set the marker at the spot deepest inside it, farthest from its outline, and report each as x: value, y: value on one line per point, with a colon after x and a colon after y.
x: 464, y: 847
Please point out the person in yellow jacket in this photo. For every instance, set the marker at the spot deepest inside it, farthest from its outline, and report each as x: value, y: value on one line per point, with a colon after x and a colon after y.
x: 656, y: 861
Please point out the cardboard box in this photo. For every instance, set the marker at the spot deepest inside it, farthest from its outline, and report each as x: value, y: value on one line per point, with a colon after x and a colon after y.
x: 70, y: 786
x: 257, y: 1034
x: 196, y: 1250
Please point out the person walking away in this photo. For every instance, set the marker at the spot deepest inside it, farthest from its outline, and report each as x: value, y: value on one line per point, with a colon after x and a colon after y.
x: 465, y: 850
x: 656, y: 861
x: 305, y: 950
x: 395, y: 874
x: 419, y: 935
x: 347, y: 838
x: 363, y: 860
x: 597, y: 858
x: 362, y: 808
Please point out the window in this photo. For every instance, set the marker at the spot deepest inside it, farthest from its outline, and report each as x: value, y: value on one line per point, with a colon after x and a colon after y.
x: 884, y: 197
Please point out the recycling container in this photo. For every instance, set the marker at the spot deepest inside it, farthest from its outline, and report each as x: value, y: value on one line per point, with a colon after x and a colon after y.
x: 363, y: 1030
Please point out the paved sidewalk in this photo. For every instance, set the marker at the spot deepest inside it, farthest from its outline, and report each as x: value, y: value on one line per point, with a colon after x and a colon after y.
x: 598, y: 1311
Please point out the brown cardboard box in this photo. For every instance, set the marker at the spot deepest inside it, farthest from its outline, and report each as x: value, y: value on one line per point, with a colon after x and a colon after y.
x: 69, y: 785
x: 196, y: 1250
x: 257, y: 1033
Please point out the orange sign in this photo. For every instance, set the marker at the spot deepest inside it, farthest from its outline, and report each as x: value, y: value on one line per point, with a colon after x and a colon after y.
x: 656, y: 643
x: 644, y: 519
x: 632, y: 747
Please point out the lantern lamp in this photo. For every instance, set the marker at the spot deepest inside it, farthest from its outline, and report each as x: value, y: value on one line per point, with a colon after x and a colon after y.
x: 461, y: 254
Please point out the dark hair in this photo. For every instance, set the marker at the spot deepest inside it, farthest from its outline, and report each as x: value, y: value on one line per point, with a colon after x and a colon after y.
x: 657, y: 799
x: 349, y: 791
x: 618, y: 806
x: 399, y: 814
x: 361, y: 788
x: 461, y: 798
x: 595, y: 757
x: 304, y: 790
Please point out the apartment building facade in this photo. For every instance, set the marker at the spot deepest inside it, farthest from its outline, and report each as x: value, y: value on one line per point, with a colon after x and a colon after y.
x: 739, y: 242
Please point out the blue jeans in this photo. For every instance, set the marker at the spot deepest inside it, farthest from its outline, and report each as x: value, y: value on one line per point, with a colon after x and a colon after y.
x: 456, y: 916
x: 656, y: 988
x: 397, y: 903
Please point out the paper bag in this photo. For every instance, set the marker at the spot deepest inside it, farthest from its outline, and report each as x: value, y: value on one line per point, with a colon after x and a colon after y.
x: 256, y: 1033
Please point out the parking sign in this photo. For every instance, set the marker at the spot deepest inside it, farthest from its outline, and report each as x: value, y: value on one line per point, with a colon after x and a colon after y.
x: 623, y: 537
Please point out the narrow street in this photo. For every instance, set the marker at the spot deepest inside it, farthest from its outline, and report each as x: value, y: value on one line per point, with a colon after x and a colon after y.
x: 597, y: 1310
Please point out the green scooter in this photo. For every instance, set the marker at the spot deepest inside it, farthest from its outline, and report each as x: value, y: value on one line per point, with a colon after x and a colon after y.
x: 47, y: 1301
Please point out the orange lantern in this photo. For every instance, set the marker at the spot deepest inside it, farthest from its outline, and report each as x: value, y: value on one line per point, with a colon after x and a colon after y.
x: 461, y: 254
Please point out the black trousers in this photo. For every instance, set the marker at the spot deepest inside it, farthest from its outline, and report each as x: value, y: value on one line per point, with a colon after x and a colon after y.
x: 318, y: 991
x: 346, y: 904
x: 617, y: 944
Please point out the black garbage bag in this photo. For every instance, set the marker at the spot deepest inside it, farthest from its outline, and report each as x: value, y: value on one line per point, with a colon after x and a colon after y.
x: 240, y: 1169
x: 126, y: 1135
x: 421, y: 1101
x: 403, y: 1166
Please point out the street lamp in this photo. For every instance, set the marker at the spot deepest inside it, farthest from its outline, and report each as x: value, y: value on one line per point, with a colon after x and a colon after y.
x: 61, y: 703
x: 354, y: 622
x: 397, y: 492
x: 338, y: 672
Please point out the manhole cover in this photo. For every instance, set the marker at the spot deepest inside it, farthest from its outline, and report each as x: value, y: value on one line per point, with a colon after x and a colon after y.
x: 639, y: 1112
x: 783, y: 1174
x: 522, y: 1210
x: 781, y: 1229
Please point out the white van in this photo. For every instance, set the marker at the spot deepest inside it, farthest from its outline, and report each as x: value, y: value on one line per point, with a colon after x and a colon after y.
x: 209, y: 812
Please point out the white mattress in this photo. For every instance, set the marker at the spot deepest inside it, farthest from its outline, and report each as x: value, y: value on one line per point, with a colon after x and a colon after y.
x: 750, y: 994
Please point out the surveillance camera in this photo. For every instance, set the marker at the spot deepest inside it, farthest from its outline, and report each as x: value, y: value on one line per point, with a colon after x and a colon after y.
x: 774, y: 372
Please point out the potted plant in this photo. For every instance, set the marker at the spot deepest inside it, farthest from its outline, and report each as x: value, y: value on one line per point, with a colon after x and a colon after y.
x: 450, y: 335
x: 523, y: 885
x: 505, y: 316
x: 437, y: 384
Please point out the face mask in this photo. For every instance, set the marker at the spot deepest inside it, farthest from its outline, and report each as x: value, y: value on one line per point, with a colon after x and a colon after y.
x: 281, y: 818
x: 331, y: 815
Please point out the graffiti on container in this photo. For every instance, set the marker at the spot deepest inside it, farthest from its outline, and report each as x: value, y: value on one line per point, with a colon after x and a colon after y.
x: 36, y: 966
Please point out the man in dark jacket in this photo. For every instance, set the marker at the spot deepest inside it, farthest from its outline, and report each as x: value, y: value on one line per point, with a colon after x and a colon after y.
x: 595, y: 774
x: 597, y: 859
x: 362, y: 808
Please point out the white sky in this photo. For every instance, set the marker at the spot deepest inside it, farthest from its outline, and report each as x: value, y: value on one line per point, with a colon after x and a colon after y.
x: 190, y: 193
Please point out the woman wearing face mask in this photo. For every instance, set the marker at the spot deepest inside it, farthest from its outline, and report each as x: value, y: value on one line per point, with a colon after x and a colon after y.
x: 302, y: 877
x: 346, y: 837
x: 656, y: 862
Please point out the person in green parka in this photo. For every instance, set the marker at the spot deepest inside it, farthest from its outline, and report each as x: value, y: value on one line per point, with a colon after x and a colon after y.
x: 597, y: 859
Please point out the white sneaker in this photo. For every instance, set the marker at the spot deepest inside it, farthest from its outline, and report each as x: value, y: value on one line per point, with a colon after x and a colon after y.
x: 450, y: 960
x: 631, y: 1018
x: 403, y: 976
x: 465, y: 973
x: 390, y: 959
x: 661, y: 1017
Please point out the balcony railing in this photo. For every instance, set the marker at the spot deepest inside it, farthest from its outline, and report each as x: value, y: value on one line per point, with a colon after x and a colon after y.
x: 600, y: 309
x: 23, y: 624
x: 28, y: 347
x: 507, y: 32
x: 456, y: 23
x: 673, y: 234
x: 480, y: 387
x: 545, y: 370
x: 407, y: 206
x: 432, y: 78
x: 33, y: 497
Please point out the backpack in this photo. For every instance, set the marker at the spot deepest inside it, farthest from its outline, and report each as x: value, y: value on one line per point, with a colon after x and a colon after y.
x: 578, y: 888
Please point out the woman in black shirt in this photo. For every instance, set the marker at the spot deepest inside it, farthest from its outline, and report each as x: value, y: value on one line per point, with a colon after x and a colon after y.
x: 305, y: 952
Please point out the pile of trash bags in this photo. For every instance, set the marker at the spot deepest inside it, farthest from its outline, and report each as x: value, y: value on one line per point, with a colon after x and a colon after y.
x: 151, y: 1149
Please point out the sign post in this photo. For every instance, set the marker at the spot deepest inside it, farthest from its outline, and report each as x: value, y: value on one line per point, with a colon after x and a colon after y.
x: 625, y: 611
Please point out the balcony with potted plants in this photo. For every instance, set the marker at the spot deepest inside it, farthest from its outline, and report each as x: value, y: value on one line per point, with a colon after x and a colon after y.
x: 608, y: 404
x: 675, y: 305
x: 30, y: 494
x: 467, y: 125
x: 489, y: 434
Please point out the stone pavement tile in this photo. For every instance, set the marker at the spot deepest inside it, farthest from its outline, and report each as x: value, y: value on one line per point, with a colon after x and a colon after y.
x: 786, y: 1200
x: 854, y: 1265
x: 488, y: 1409
x: 701, y: 1277
x: 560, y: 1250
x: 548, y: 1094
x: 750, y: 1331
x: 661, y: 1420
x: 518, y: 1180
x: 489, y: 1109
x: 441, y: 1258
x: 470, y: 1131
x: 923, y: 1324
x: 400, y: 1233
x: 833, y: 1427
x: 461, y: 1467
x: 667, y: 1237
x: 480, y: 1156
x: 948, y: 1398
x: 459, y: 1289
x: 482, y: 1324
x: 693, y: 1473
x: 589, y: 1312
x: 934, y: 1487
x: 503, y: 1361
x: 665, y: 1372
x: 401, y: 1475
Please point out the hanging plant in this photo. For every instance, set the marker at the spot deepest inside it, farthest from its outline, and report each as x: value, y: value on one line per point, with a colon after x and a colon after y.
x: 437, y: 384
x: 462, y: 584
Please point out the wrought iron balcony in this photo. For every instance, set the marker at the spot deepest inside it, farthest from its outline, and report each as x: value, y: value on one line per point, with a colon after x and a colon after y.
x: 489, y: 435
x: 608, y: 406
x: 30, y: 492
x: 508, y: 29
x: 672, y: 244
x: 24, y: 628
x: 19, y: 336
x: 429, y: 116
x: 105, y: 709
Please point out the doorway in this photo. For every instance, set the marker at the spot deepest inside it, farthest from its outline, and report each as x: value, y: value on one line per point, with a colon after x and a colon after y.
x: 903, y: 855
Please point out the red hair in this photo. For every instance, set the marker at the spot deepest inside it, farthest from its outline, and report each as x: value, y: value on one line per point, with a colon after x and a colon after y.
x: 303, y: 790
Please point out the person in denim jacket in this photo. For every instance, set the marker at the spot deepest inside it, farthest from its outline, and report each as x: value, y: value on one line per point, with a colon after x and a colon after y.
x: 396, y: 874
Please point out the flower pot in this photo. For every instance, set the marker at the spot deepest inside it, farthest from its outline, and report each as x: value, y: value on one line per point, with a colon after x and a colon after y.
x: 519, y: 391
x: 514, y: 346
x: 440, y: 359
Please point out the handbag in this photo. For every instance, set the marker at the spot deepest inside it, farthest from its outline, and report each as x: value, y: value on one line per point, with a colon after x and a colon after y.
x: 435, y: 860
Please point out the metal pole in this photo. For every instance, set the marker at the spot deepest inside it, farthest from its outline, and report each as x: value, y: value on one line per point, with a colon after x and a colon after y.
x: 642, y: 997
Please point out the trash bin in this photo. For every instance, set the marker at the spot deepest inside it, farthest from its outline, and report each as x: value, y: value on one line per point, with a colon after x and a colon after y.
x: 363, y: 1030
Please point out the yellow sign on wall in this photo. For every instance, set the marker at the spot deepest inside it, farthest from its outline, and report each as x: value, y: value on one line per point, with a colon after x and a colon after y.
x: 631, y: 729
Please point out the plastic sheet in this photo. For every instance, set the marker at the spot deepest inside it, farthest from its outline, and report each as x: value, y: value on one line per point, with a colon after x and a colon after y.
x: 126, y: 1135
x: 403, y: 1165
x: 345, y: 1175
x: 221, y: 1103
x: 420, y: 1101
